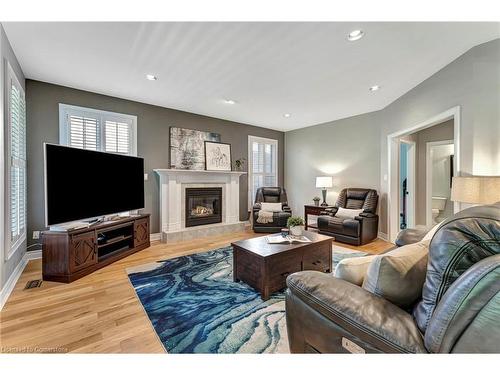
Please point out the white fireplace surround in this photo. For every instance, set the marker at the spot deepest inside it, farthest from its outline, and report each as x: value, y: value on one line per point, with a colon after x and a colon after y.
x: 173, y: 184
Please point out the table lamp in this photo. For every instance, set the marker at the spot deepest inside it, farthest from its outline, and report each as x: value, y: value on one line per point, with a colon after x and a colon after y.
x: 476, y: 189
x: 324, y: 182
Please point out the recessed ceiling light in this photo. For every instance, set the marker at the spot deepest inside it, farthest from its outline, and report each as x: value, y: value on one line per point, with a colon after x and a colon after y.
x: 286, y: 115
x: 355, y: 35
x: 151, y: 77
x: 229, y: 101
x: 375, y: 88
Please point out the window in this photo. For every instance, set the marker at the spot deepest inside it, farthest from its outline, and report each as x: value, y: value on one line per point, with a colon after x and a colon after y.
x: 262, y: 164
x: 92, y: 129
x: 16, y: 168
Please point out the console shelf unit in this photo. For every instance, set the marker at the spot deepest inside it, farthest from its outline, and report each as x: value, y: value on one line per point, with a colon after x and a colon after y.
x: 68, y: 256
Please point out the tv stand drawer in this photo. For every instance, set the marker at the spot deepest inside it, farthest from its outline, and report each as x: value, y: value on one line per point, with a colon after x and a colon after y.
x: 141, y: 232
x: 83, y: 249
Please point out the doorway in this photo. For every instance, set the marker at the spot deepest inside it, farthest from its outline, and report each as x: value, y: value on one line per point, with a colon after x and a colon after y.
x: 406, y: 184
x: 394, y: 195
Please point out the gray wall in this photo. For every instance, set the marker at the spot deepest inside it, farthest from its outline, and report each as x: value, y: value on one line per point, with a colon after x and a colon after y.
x: 348, y: 150
x: 7, y: 266
x: 472, y: 82
x: 440, y: 132
x: 153, y: 124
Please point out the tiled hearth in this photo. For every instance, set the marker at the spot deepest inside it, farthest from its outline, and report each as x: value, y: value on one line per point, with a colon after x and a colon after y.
x: 173, y: 185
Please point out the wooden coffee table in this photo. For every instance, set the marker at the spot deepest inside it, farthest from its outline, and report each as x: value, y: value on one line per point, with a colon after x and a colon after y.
x: 265, y: 266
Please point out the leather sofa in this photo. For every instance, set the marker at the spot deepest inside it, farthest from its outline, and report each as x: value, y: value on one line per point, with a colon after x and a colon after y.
x: 358, y: 231
x: 271, y: 195
x: 459, y: 311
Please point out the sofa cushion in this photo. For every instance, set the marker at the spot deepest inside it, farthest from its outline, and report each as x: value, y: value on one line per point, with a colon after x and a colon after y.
x: 399, y: 275
x: 409, y: 236
x: 428, y: 236
x: 460, y: 242
x: 354, y: 203
x: 337, y: 225
x: 353, y: 269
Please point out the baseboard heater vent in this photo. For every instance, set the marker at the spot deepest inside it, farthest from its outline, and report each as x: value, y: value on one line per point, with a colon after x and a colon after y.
x: 33, y: 284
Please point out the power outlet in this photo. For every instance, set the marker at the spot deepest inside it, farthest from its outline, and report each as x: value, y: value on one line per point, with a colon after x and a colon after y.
x: 145, y: 176
x: 36, y: 234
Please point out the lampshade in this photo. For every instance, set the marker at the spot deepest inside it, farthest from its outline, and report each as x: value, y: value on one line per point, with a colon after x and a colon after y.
x: 476, y: 189
x: 324, y: 182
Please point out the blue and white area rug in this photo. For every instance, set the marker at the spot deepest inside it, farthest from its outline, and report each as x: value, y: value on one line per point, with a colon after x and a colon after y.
x: 195, y: 307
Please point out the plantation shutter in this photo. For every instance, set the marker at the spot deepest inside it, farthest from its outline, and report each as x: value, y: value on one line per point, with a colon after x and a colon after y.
x: 84, y: 132
x: 263, y: 164
x: 117, y: 135
x: 97, y: 130
x: 17, y: 147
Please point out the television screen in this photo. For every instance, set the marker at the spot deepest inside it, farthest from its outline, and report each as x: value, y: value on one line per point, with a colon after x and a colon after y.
x: 82, y: 184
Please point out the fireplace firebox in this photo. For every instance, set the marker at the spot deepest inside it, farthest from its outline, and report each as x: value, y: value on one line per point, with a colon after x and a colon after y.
x: 203, y: 206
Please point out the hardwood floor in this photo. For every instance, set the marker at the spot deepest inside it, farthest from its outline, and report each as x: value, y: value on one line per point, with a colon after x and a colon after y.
x: 99, y: 313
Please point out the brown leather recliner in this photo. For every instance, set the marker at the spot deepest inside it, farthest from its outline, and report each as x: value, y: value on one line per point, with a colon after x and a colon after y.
x: 459, y: 311
x: 271, y: 195
x: 358, y: 231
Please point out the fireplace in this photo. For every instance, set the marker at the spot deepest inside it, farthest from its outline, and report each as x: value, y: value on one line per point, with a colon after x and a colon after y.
x: 203, y: 206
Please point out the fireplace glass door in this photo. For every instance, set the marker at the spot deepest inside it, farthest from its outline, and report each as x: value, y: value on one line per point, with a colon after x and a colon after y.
x: 203, y: 206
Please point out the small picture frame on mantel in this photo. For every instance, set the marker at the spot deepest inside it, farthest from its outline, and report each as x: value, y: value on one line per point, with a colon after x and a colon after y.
x: 217, y: 156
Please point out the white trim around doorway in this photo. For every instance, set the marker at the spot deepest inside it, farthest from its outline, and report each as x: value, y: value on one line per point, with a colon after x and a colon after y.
x: 393, y: 163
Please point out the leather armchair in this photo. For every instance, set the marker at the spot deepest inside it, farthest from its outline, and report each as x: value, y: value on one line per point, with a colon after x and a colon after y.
x: 358, y: 231
x: 458, y: 313
x: 271, y: 195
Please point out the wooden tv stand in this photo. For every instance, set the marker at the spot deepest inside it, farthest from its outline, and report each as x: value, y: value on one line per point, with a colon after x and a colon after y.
x: 68, y: 256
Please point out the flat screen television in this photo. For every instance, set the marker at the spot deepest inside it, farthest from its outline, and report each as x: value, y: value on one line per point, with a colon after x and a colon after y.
x: 82, y: 184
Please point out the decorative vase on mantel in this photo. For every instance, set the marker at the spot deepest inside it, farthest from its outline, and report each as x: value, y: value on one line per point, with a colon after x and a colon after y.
x: 316, y: 201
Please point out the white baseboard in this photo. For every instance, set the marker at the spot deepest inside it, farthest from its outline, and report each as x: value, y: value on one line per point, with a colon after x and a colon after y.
x: 11, y: 282
x: 155, y: 237
x: 383, y: 236
x: 34, y: 254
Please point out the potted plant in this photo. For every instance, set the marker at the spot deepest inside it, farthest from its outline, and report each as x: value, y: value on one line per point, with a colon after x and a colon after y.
x: 295, y: 224
x: 316, y: 201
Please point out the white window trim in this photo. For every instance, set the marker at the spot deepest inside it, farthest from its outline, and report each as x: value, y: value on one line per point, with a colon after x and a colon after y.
x: 66, y: 109
x: 251, y: 139
x: 11, y: 248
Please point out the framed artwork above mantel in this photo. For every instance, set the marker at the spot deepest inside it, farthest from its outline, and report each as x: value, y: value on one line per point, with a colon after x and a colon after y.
x: 217, y: 156
x: 187, y: 149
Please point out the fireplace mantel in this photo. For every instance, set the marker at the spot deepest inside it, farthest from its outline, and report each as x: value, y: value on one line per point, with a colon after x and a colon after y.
x: 173, y: 183
x: 189, y: 171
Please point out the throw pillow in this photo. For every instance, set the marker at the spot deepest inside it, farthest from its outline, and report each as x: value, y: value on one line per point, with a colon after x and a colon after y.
x: 271, y: 207
x: 430, y: 233
x: 347, y: 213
x: 353, y: 269
x: 399, y: 275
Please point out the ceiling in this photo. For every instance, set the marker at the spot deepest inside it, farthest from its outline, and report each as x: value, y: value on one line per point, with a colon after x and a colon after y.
x: 309, y: 70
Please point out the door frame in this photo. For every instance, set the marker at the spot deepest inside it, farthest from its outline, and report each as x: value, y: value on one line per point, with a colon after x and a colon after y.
x: 428, y: 177
x: 410, y: 181
x: 393, y: 163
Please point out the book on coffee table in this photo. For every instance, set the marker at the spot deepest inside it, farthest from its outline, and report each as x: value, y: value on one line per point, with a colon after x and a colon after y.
x: 287, y: 239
